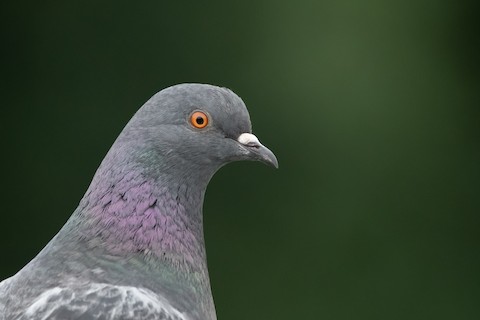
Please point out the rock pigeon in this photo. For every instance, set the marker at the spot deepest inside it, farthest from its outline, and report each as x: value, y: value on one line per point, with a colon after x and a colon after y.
x: 134, y: 247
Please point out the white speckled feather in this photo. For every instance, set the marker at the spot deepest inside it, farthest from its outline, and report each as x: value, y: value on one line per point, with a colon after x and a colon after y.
x: 101, y: 301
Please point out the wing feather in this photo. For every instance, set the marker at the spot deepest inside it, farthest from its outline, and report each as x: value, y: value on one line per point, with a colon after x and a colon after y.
x: 101, y: 301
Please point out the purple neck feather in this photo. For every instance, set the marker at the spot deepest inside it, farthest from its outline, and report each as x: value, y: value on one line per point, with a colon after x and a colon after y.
x: 128, y: 212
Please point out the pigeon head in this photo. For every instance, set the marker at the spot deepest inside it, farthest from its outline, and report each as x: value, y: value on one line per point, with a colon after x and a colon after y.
x: 191, y: 129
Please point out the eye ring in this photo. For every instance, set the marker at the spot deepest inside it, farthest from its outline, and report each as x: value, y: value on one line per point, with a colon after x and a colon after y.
x: 199, y: 119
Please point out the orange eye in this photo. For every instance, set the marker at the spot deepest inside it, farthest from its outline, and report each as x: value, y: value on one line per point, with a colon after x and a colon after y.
x: 199, y: 119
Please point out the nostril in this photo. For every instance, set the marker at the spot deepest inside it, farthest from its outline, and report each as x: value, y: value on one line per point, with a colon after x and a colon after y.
x: 253, y: 145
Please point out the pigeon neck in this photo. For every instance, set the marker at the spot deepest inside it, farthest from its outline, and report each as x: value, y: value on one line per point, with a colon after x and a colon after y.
x: 149, y: 220
x: 132, y: 212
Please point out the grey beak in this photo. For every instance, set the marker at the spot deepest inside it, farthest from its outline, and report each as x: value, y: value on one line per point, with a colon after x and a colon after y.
x: 257, y: 150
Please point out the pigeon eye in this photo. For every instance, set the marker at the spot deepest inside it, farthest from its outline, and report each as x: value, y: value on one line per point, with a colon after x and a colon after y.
x: 199, y: 119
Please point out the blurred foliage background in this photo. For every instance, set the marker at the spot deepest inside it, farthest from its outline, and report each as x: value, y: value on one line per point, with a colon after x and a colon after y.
x: 372, y: 108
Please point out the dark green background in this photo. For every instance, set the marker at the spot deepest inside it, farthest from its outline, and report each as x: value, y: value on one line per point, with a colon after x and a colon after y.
x: 372, y: 108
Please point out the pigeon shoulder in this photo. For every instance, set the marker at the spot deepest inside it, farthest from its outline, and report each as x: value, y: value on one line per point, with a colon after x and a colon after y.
x: 4, y: 285
x: 100, y: 301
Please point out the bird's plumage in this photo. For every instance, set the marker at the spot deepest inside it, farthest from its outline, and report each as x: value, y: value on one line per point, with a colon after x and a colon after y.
x: 97, y: 301
x: 134, y: 247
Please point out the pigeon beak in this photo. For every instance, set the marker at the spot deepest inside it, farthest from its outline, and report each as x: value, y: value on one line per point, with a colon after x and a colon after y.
x: 257, y: 150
